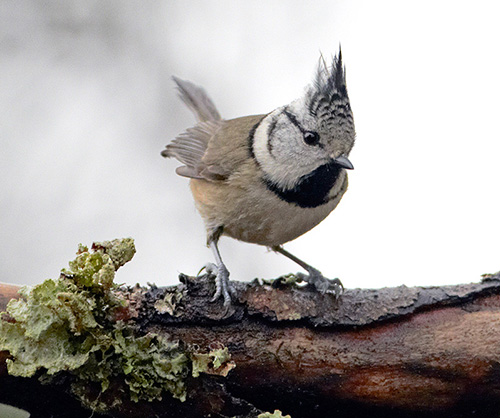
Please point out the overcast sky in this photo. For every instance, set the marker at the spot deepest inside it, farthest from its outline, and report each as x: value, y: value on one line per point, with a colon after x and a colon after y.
x: 88, y: 104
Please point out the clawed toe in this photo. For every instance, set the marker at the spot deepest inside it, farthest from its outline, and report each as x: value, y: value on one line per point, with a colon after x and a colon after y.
x: 210, y: 269
x: 314, y: 278
x: 223, y: 287
x: 322, y: 284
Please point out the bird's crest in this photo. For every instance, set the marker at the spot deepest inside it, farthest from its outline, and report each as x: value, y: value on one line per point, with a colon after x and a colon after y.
x: 329, y: 85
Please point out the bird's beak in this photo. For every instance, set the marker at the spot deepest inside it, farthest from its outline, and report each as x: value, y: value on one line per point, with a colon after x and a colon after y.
x: 344, y: 162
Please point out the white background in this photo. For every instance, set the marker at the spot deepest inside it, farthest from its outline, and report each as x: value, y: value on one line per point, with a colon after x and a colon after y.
x: 87, y: 104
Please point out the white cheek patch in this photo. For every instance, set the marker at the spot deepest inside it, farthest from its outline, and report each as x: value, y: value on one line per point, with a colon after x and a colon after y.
x: 260, y: 139
x: 281, y: 165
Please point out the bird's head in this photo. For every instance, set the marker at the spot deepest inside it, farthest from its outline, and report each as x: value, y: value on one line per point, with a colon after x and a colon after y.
x: 313, y: 131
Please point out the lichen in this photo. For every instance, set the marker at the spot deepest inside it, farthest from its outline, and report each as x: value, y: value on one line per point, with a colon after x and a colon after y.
x: 169, y: 303
x: 277, y: 414
x: 215, y: 362
x: 287, y: 280
x: 77, y: 324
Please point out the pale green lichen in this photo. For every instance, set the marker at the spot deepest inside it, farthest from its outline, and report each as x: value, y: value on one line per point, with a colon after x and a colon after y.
x: 277, y: 414
x: 70, y: 324
x: 149, y: 364
x: 7, y: 411
x: 215, y: 362
x: 287, y: 280
x: 169, y: 303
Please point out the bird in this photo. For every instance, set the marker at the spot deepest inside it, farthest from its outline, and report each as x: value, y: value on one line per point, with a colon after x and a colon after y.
x: 269, y: 178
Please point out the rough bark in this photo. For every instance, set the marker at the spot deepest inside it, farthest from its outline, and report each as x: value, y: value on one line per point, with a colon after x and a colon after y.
x: 394, y: 352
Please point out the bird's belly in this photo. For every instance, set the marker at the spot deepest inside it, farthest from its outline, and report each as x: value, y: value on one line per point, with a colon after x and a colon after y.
x: 257, y: 215
x: 276, y: 227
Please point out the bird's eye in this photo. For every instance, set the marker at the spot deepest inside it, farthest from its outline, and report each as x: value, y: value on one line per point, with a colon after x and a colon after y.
x: 311, y: 138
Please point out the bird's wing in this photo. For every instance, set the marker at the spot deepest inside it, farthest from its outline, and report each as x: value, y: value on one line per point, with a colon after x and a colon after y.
x: 229, y: 148
x: 214, y: 148
x: 190, y: 146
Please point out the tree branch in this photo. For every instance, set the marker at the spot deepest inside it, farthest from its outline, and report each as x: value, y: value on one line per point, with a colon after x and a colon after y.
x: 394, y: 352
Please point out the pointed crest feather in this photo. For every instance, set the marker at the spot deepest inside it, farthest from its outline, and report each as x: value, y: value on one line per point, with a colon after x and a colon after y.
x: 330, y: 80
x: 329, y: 85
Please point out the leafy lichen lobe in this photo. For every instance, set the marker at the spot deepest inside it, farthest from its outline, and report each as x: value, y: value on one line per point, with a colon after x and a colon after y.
x: 277, y: 414
x: 74, y: 324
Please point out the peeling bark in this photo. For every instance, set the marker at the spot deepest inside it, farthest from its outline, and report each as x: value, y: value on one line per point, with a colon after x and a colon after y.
x: 394, y: 352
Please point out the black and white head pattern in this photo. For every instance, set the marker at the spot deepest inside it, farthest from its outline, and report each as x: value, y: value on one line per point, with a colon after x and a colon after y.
x: 295, y: 145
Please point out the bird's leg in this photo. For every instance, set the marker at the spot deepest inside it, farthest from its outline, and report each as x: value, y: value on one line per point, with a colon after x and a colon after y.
x: 221, y: 274
x: 314, y: 278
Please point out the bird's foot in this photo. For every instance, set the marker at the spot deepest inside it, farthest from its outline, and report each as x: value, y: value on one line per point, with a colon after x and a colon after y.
x: 321, y: 283
x: 223, y: 287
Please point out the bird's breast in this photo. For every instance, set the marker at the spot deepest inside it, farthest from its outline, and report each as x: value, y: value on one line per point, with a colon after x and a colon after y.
x: 311, y: 190
x: 250, y: 211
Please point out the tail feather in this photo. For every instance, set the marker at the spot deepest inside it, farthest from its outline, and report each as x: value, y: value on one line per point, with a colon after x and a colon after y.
x: 197, y: 100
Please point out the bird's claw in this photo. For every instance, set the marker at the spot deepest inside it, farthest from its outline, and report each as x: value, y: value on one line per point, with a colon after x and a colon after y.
x: 223, y: 286
x: 321, y: 283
